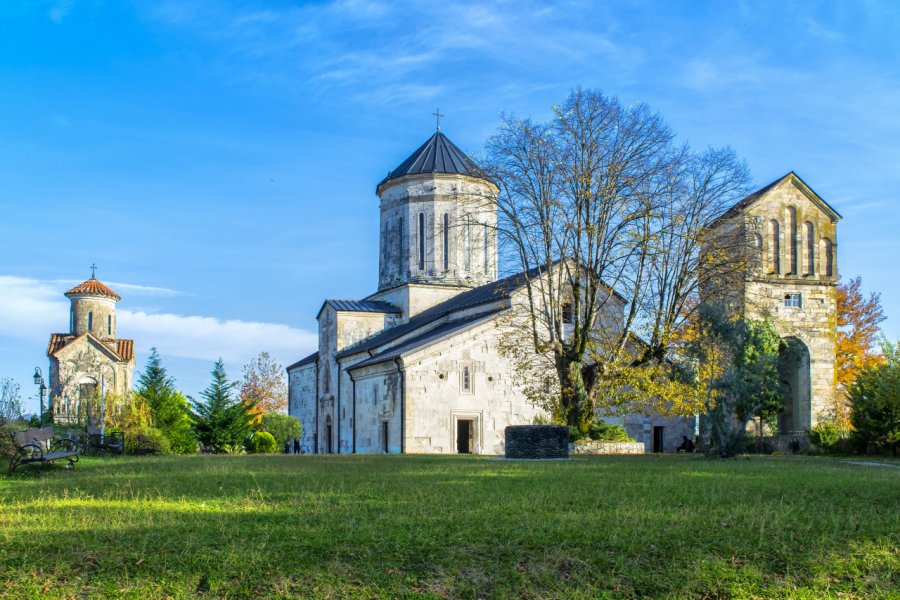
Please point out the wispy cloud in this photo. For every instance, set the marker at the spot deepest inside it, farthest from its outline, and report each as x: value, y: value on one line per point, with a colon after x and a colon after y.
x: 59, y: 10
x: 37, y: 309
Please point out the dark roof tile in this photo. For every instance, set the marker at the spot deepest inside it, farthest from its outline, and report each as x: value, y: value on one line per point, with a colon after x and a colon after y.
x: 437, y: 155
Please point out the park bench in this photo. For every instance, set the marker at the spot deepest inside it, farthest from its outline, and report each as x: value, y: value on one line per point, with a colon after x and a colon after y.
x: 39, y: 446
x: 111, y: 441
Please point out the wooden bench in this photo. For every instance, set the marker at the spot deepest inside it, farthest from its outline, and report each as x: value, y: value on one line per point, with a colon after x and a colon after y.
x: 39, y: 446
x: 111, y: 441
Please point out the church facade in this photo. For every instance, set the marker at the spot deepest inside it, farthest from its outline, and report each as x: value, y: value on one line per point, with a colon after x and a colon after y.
x: 89, y: 361
x: 417, y: 366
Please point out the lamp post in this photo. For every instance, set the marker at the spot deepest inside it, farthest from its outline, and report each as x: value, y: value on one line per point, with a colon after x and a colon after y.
x: 39, y: 381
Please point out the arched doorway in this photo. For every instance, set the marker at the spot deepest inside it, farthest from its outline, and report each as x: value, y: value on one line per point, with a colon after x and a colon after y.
x: 793, y: 369
x: 328, y: 437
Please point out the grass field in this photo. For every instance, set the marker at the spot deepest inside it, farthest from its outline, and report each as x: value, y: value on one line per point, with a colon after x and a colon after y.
x: 379, y: 526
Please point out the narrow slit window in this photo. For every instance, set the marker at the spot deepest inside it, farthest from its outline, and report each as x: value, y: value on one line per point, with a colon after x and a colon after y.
x: 421, y: 241
x: 446, y: 241
x: 567, y: 313
x: 776, y: 247
x: 108, y: 324
x: 487, y: 252
x: 400, y: 246
x: 90, y: 321
x: 467, y: 233
x: 792, y: 241
x: 829, y: 258
x: 467, y: 379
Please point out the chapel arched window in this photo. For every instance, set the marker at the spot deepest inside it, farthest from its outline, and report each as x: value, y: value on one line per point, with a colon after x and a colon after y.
x: 775, y: 241
x: 792, y: 240
x: 810, y: 248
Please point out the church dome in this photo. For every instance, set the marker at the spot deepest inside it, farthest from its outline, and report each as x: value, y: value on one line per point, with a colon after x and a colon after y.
x: 93, y: 287
x: 437, y: 155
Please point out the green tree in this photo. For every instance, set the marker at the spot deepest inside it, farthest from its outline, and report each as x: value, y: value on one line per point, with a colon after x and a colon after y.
x: 875, y: 402
x: 221, y: 421
x: 283, y: 427
x: 738, y: 373
x: 171, y: 413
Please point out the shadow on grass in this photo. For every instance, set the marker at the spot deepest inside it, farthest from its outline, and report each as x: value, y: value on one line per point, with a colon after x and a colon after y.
x: 387, y: 526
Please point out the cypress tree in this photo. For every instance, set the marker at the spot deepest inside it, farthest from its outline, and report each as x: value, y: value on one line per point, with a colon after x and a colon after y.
x: 171, y: 413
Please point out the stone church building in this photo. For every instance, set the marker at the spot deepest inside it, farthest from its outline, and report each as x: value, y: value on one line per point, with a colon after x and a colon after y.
x: 416, y: 368
x: 89, y: 360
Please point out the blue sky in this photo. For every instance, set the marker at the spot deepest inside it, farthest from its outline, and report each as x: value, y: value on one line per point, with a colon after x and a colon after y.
x: 218, y: 159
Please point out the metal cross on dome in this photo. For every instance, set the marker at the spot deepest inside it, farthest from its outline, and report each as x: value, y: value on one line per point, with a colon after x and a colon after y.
x: 437, y: 115
x: 93, y: 271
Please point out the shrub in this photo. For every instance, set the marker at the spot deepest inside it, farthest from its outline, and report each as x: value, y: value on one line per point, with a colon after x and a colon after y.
x: 826, y: 436
x: 604, y: 432
x: 282, y: 427
x: 142, y: 439
x: 875, y: 404
x: 263, y: 442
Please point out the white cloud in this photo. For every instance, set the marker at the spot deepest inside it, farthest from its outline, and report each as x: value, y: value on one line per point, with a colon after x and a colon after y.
x: 37, y: 308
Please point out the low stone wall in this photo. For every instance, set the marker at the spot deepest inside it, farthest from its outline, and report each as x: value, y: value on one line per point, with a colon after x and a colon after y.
x: 592, y: 447
x: 537, y: 441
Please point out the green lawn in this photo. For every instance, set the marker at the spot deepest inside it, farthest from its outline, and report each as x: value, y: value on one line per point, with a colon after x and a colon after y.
x: 378, y: 526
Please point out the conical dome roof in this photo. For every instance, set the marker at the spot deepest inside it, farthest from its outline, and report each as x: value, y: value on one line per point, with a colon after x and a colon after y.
x: 94, y: 287
x: 437, y: 155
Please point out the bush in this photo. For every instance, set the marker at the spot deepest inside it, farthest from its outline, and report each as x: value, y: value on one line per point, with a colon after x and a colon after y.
x: 282, y: 427
x: 140, y: 440
x: 262, y: 442
x: 604, y: 432
x: 875, y: 404
x: 827, y: 436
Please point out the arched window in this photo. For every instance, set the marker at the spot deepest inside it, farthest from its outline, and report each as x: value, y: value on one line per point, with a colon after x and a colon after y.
x: 108, y: 324
x: 467, y: 379
x: 446, y: 241
x: 810, y: 249
x: 487, y: 252
x: 829, y: 257
x: 467, y: 233
x: 421, y: 241
x: 400, y: 247
x: 90, y: 321
x: 775, y: 250
x: 792, y: 241
x: 72, y: 319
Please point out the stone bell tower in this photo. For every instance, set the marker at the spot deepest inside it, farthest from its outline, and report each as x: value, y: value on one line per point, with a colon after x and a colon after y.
x: 438, y: 227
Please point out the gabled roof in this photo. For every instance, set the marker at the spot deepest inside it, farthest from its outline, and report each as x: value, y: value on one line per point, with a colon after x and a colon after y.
x: 426, y: 339
x: 437, y: 155
x: 369, y: 306
x: 94, y: 287
x: 491, y: 292
x: 750, y: 199
x: 122, y: 348
x: 314, y: 357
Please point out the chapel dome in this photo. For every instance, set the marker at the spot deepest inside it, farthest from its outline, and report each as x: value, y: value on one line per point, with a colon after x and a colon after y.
x: 93, y: 287
x: 437, y: 155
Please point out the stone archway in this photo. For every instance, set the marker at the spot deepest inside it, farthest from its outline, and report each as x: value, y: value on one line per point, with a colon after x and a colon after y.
x: 793, y: 369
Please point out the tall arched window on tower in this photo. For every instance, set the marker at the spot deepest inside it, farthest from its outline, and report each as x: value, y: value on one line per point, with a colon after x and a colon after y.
x: 467, y: 233
x: 810, y: 248
x: 72, y: 319
x: 487, y: 252
x: 792, y: 240
x: 400, y: 247
x: 91, y: 322
x: 775, y: 241
x: 446, y: 241
x: 421, y: 241
x: 828, y: 248
x: 108, y: 324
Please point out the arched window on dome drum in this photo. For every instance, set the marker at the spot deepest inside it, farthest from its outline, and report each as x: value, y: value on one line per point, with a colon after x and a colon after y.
x: 792, y: 241
x: 487, y: 253
x: 775, y: 240
x: 108, y: 324
x: 421, y: 241
x: 400, y: 246
x: 829, y: 257
x: 91, y: 322
x: 467, y: 232
x: 810, y: 248
x: 72, y: 320
x: 446, y: 241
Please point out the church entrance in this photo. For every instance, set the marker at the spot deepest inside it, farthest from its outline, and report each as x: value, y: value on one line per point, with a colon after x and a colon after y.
x: 465, y: 433
x: 793, y: 368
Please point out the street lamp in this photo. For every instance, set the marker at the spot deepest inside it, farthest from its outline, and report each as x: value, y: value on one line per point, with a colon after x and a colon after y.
x: 39, y: 381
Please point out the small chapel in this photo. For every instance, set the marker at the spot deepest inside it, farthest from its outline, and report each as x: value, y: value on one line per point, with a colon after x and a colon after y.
x: 89, y: 361
x: 416, y: 367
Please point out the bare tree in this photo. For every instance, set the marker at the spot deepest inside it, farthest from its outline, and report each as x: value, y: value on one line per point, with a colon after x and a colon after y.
x: 602, y: 211
x: 10, y: 400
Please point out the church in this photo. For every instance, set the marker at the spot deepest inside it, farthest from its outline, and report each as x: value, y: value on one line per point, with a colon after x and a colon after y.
x: 416, y: 367
x: 89, y: 361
